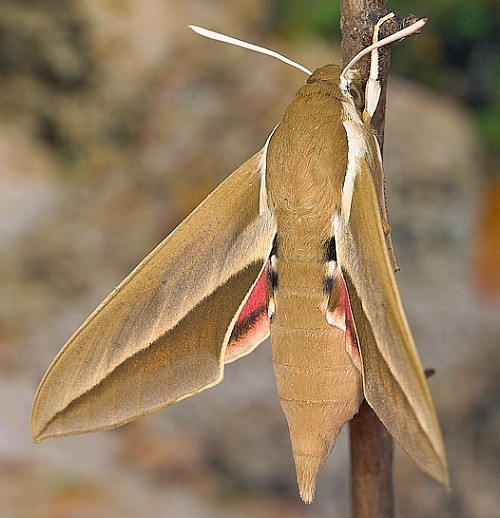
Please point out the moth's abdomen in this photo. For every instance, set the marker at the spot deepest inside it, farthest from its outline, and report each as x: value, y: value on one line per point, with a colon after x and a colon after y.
x: 318, y: 385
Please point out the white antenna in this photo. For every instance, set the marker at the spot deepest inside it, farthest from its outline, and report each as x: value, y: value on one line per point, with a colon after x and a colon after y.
x: 239, y: 43
x: 393, y: 37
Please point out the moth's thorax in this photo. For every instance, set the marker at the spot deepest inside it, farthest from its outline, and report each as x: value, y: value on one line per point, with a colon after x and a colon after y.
x: 307, y: 154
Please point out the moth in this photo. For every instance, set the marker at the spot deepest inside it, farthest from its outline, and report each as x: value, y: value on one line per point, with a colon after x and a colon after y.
x: 292, y: 245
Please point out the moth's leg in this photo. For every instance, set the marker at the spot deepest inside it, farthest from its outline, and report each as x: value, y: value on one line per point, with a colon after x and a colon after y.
x: 372, y: 90
x: 379, y: 182
x: 386, y: 226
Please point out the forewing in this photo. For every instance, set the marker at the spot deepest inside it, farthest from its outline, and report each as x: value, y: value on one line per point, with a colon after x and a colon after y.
x: 394, y: 382
x: 160, y: 336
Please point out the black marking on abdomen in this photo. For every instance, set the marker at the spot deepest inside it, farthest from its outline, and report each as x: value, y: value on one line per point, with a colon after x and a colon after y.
x: 272, y: 273
x: 274, y: 248
x: 328, y: 283
x: 272, y: 278
x: 330, y: 250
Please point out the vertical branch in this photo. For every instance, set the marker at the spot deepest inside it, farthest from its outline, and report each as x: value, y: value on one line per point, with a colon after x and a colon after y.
x: 371, y: 445
x: 356, y: 23
x: 372, y: 490
x: 357, y: 20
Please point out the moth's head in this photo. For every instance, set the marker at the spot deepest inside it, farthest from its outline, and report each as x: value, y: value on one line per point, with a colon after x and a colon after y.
x: 326, y: 74
x: 348, y: 82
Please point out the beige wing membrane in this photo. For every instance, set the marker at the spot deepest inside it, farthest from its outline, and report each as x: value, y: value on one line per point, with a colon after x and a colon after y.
x: 160, y: 336
x: 393, y: 378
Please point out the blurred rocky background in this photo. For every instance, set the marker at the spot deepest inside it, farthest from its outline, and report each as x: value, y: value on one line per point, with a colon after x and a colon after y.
x: 115, y: 121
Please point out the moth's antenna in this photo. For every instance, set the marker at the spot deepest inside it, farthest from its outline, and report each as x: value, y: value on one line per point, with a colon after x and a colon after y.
x: 415, y: 27
x: 250, y: 46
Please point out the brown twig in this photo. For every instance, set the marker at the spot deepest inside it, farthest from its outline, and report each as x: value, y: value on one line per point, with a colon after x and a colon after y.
x: 372, y: 447
x: 356, y: 23
x: 372, y: 492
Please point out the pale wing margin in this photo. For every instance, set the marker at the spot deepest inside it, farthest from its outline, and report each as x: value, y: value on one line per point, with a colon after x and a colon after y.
x: 394, y: 382
x: 227, y: 238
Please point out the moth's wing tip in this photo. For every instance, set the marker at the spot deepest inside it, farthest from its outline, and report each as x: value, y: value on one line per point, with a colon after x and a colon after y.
x: 441, y: 474
x: 438, y: 472
x: 36, y: 438
x: 39, y: 433
x: 42, y: 420
x: 41, y: 428
x: 43, y: 433
x: 436, y: 464
x: 37, y: 428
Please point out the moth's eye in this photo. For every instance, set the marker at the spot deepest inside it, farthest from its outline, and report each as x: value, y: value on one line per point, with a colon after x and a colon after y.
x: 357, y: 96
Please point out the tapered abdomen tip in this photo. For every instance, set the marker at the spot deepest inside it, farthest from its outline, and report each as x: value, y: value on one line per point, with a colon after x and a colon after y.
x: 307, y: 470
x: 313, y: 430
